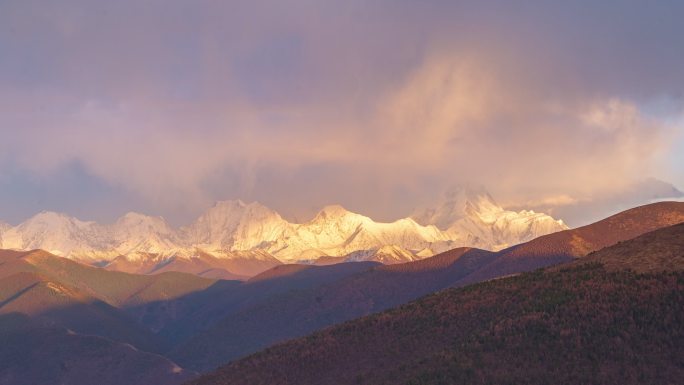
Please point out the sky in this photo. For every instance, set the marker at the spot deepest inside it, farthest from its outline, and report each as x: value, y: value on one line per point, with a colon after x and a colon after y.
x: 165, y: 106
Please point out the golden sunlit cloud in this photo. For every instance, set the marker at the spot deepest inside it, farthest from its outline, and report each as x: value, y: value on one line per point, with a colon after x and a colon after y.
x: 380, y: 113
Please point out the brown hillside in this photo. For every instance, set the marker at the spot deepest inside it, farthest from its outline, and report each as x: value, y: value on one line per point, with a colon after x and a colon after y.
x: 567, y: 245
x: 53, y: 303
x: 581, y: 325
x: 298, y: 312
x: 658, y: 250
x: 115, y: 288
x: 203, y: 264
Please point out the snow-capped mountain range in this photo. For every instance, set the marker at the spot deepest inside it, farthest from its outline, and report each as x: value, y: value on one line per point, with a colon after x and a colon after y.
x: 252, y: 234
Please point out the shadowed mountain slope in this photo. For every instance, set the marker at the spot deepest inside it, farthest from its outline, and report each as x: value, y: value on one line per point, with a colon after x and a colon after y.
x: 36, y: 354
x: 55, y: 304
x: 169, y: 306
x: 301, y: 312
x: 57, y: 291
x: 298, y: 312
x: 578, y: 324
x: 205, y: 309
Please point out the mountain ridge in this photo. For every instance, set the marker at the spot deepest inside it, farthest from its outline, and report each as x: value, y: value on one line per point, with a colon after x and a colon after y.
x: 239, y: 231
x: 384, y: 286
x: 609, y: 317
x: 201, y: 323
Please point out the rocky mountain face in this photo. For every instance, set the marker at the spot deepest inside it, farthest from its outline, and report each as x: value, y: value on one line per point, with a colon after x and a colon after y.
x: 473, y: 218
x: 256, y: 238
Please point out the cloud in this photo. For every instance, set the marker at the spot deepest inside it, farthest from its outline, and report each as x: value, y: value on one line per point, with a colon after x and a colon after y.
x: 577, y: 212
x: 464, y: 119
x: 377, y: 106
x: 551, y: 202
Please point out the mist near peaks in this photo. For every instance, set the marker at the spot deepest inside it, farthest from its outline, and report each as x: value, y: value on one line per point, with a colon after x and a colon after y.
x: 380, y: 107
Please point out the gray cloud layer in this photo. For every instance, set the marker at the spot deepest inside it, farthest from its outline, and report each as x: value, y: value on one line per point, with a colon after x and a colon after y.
x: 377, y: 105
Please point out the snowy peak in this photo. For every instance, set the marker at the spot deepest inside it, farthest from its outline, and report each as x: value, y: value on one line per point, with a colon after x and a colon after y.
x: 139, y: 233
x: 235, y: 212
x: 52, y: 221
x: 4, y: 227
x: 239, y: 231
x: 135, y: 223
x: 68, y: 236
x: 57, y: 233
x: 484, y: 207
x: 334, y: 212
x: 457, y: 204
x: 473, y: 218
x: 468, y: 193
x: 235, y: 225
x: 337, y: 219
x: 336, y: 231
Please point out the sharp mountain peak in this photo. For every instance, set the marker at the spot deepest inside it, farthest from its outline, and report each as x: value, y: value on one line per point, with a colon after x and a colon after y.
x: 235, y: 228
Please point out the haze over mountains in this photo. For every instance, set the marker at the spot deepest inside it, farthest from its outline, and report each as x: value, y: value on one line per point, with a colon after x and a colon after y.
x: 234, y: 238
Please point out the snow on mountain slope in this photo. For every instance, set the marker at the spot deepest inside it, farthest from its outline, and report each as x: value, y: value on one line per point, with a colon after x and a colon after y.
x: 472, y: 218
x: 138, y: 233
x: 337, y: 232
x: 234, y: 225
x: 66, y: 236
x: 248, y: 237
x: 61, y: 235
x: 389, y: 254
x: 4, y: 227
